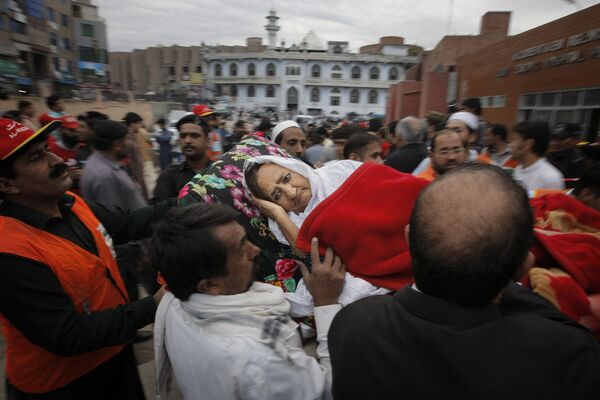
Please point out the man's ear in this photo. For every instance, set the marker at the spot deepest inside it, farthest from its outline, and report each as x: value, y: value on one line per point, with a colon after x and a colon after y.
x: 210, y: 286
x: 407, y: 233
x: 354, y: 157
x: 524, y: 268
x: 7, y: 187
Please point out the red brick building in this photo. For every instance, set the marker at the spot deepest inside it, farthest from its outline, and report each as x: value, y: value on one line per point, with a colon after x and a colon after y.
x: 431, y: 85
x: 549, y: 73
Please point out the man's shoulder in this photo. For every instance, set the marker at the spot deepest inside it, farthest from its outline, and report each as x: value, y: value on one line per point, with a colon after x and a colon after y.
x: 365, y: 314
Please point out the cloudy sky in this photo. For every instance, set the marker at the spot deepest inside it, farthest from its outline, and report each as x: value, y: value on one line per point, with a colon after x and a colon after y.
x: 141, y: 23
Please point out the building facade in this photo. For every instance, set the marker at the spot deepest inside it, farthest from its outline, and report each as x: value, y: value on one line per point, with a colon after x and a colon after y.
x: 89, y: 33
x: 433, y: 84
x: 309, y: 78
x: 549, y: 73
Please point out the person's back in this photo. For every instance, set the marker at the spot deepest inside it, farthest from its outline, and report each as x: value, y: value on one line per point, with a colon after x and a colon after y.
x: 464, y: 330
x: 410, y: 149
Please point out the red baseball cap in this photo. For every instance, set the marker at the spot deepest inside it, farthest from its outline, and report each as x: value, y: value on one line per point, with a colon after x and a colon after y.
x: 69, y: 122
x: 13, y: 135
x: 202, y: 110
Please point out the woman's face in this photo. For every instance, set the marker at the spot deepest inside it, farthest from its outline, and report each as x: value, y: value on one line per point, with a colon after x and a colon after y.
x: 284, y: 187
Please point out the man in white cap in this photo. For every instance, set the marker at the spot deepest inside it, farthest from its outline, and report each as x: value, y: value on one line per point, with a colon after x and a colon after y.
x: 464, y: 123
x: 290, y: 136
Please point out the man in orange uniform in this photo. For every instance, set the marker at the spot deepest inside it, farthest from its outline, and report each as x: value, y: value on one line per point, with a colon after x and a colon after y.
x: 66, y: 316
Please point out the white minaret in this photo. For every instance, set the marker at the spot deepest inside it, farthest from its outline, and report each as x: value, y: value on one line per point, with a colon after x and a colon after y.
x: 272, y: 29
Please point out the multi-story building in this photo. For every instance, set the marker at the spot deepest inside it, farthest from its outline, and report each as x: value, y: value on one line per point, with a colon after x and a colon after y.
x: 311, y: 77
x: 170, y: 71
x: 89, y: 32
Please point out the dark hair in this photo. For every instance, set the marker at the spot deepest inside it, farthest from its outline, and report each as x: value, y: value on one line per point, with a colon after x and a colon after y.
x: 499, y: 130
x: 375, y: 124
x: 184, y: 248
x: 240, y: 123
x: 23, y: 104
x: 196, y: 120
x: 265, y: 125
x: 391, y: 128
x: 15, y: 115
x: 251, y: 179
x: 161, y: 121
x: 344, y: 132
x: 321, y: 131
x: 539, y: 131
x: 590, y: 179
x: 131, y: 118
x: 52, y: 100
x: 101, y: 143
x: 315, y: 138
x: 441, y: 133
x: 465, y: 259
x: 474, y: 103
x: 358, y: 143
x: 92, y: 115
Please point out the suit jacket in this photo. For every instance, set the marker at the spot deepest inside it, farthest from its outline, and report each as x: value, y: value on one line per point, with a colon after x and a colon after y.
x: 413, y: 346
x: 406, y: 158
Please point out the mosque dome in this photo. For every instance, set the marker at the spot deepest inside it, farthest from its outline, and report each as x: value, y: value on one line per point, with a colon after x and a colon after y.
x: 312, y: 42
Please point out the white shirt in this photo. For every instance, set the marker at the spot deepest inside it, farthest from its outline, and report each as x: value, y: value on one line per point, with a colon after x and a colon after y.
x: 539, y: 175
x: 210, y: 363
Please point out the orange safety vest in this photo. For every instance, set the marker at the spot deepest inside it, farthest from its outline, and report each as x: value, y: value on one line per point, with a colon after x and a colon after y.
x: 92, y: 282
x: 216, y: 147
x: 428, y: 174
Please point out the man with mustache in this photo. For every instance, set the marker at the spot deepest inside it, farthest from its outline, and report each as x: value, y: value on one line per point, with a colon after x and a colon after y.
x: 66, y: 315
x: 447, y: 151
x: 194, y: 143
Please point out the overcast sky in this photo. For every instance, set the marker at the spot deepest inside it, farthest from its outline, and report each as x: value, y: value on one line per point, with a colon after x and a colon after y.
x: 137, y: 24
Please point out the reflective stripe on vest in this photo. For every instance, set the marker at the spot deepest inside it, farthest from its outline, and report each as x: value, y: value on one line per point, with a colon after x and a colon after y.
x: 92, y: 282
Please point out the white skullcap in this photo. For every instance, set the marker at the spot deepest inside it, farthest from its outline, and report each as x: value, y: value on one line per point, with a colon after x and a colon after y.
x: 468, y: 118
x: 280, y: 127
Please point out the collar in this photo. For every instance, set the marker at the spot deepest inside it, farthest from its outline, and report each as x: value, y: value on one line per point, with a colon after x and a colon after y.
x: 533, y: 166
x: 33, y: 217
x: 444, y: 311
x: 185, y: 166
x: 116, y: 165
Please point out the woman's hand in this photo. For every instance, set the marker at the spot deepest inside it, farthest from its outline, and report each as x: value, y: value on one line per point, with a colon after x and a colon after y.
x: 268, y: 208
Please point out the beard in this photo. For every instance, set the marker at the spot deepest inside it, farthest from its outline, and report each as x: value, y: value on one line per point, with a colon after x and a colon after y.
x: 441, y: 170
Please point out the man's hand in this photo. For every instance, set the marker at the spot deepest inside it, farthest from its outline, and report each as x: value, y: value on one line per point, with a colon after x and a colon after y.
x: 326, y: 281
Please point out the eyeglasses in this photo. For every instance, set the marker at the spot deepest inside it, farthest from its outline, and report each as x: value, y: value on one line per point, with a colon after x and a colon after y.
x: 456, y: 151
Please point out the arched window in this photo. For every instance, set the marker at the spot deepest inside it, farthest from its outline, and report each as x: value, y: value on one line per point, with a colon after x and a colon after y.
x: 232, y: 69
x: 373, y: 96
x: 251, y: 91
x: 292, y: 96
x: 251, y: 69
x: 393, y: 74
x: 337, y: 50
x: 271, y: 71
x: 270, y: 90
x: 354, y: 96
x: 315, y: 95
x: 336, y: 72
x: 374, y: 73
x: 334, y: 100
x: 233, y: 91
x: 356, y: 72
x: 315, y: 71
x: 218, y: 70
x: 293, y: 70
x: 218, y: 91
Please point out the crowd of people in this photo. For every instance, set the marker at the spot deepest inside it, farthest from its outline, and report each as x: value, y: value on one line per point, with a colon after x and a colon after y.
x: 429, y: 257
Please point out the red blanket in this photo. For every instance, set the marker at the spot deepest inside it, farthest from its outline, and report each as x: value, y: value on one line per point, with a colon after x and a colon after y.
x: 364, y: 221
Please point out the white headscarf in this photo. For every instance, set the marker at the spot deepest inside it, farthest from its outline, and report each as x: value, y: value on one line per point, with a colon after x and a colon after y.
x: 323, y: 182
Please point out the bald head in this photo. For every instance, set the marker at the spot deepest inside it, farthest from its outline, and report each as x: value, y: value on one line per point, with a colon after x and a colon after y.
x: 411, y: 130
x: 470, y: 232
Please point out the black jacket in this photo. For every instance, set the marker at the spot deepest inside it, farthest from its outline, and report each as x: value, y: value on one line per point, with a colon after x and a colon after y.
x: 414, y: 346
x: 407, y: 158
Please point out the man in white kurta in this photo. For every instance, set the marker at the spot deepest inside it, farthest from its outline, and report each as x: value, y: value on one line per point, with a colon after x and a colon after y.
x: 232, y: 338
